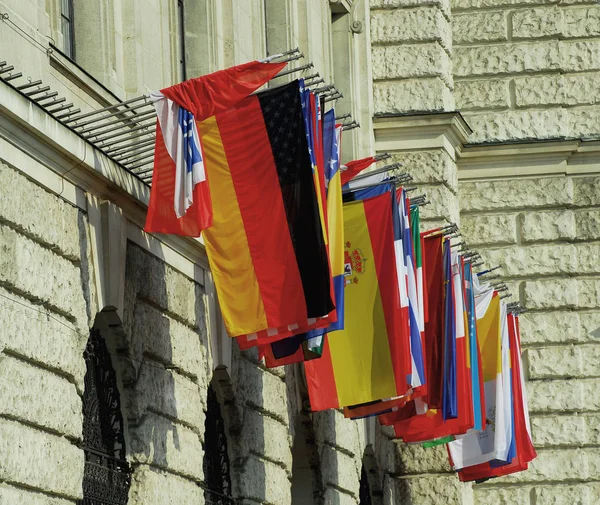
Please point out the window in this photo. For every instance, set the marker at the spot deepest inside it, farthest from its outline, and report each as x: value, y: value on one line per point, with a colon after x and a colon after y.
x: 217, y: 476
x: 181, y: 39
x: 66, y: 20
x: 106, y: 475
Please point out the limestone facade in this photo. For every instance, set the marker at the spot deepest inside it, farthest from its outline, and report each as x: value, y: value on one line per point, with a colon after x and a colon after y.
x: 73, y: 255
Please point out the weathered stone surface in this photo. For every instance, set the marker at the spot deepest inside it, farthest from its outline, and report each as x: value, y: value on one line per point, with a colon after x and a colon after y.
x: 160, y: 442
x: 43, y: 275
x: 444, y: 203
x: 479, y: 27
x: 405, y: 61
x: 575, y: 395
x: 10, y: 495
x: 39, y: 397
x: 58, y: 230
x: 262, y: 435
x: 484, y: 229
x: 150, y: 485
x: 421, y: 24
x: 581, y: 22
x: 587, y: 224
x: 590, y: 325
x: 574, y: 89
x: 580, y: 494
x: 340, y: 470
x: 263, y: 481
x: 547, y: 226
x: 537, y: 23
x: 428, y: 490
x: 588, y: 255
x: 170, y: 341
x: 514, y: 58
x: 334, y: 429
x: 561, y: 464
x: 552, y: 294
x: 554, y: 362
x: 586, y: 191
x: 167, y: 393
x: 534, y: 260
x: 412, y: 95
x: 429, y: 167
x: 499, y: 496
x: 339, y: 498
x: 460, y: 5
x: 565, y: 430
x: 38, y: 460
x: 33, y: 335
x: 551, y: 327
x: 394, y: 4
x: 482, y: 94
x: 414, y: 459
x: 516, y: 194
x: 163, y: 286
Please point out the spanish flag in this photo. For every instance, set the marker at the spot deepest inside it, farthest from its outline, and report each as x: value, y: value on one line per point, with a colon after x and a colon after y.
x: 266, y: 246
x: 362, y: 362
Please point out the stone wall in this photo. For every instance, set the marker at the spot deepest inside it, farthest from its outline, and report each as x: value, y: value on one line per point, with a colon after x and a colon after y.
x: 545, y: 233
x: 527, y: 70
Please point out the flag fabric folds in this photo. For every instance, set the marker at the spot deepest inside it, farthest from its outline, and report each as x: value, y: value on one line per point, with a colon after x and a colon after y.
x: 179, y: 198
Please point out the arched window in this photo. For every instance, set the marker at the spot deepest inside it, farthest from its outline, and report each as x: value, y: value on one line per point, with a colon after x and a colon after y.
x: 217, y: 476
x: 107, y: 476
x: 364, y: 490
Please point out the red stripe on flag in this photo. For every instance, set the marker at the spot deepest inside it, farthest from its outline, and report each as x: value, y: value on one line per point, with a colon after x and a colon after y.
x: 320, y: 380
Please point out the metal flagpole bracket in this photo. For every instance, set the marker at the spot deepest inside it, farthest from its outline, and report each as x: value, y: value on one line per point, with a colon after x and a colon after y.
x: 294, y: 70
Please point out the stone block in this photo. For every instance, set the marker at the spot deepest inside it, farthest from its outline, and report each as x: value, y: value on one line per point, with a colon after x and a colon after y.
x: 10, y: 495
x: 501, y: 496
x: 475, y: 27
x: 167, y: 393
x: 444, y: 203
x: 586, y: 191
x: 37, y: 460
x: 516, y: 194
x: 552, y: 294
x: 432, y: 490
x: 588, y: 254
x: 335, y: 496
x: 420, y: 24
x: 334, y: 429
x: 575, y: 395
x: 461, y: 5
x: 534, y: 260
x: 260, y: 390
x: 172, y: 342
x: 486, y: 229
x: 150, y: 485
x: 581, y: 22
x: 58, y: 230
x: 412, y: 95
x: 560, y: 465
x: 159, y: 442
x: 395, y: 4
x: 265, y: 437
x: 340, y: 470
x: 155, y: 281
x: 482, y: 94
x: 548, y: 226
x: 579, y: 494
x: 551, y: 327
x: 406, y: 61
x: 587, y: 224
x: 40, y: 397
x: 263, y: 481
x: 414, y: 459
x: 429, y: 167
x: 41, y: 275
x: 570, y: 89
x: 590, y: 326
x: 554, y: 362
x: 33, y: 335
x: 565, y: 430
x: 537, y: 23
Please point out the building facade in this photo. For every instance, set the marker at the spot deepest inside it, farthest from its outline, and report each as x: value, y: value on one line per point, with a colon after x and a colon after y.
x: 114, y: 365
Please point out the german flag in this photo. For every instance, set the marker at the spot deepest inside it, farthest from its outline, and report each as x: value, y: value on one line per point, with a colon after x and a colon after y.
x: 266, y: 246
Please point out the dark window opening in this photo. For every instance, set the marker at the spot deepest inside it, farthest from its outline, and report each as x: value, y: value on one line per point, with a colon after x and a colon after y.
x: 365, y: 490
x: 67, y: 28
x: 107, y: 475
x: 217, y: 476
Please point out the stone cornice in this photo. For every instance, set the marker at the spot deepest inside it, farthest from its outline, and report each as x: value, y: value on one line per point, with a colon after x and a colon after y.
x: 447, y: 130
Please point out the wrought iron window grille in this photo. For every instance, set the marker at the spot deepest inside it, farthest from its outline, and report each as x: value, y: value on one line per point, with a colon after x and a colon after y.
x: 107, y: 475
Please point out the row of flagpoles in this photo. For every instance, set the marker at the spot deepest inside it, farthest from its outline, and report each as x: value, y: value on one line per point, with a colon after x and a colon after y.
x: 325, y: 264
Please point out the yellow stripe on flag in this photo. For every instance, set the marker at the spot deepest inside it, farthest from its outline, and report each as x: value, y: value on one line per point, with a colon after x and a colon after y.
x: 336, y: 224
x: 360, y: 353
x: 226, y: 243
x: 317, y: 179
x: 488, y: 333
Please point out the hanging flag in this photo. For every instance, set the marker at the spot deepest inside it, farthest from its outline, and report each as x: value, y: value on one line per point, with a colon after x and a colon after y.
x: 266, y: 248
x: 358, y: 363
x: 353, y: 168
x: 179, y: 198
